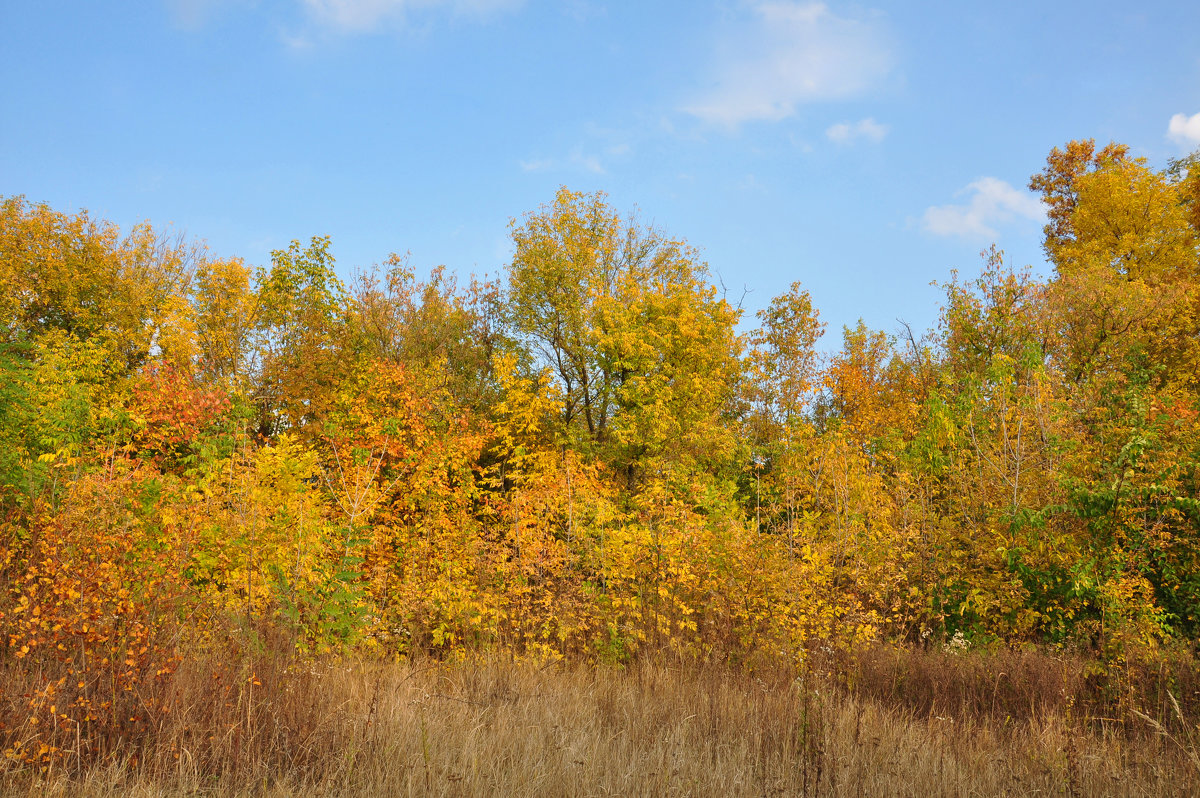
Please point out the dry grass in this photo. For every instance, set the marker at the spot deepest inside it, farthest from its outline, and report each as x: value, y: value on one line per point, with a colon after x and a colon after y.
x: 503, y: 728
x: 1007, y: 685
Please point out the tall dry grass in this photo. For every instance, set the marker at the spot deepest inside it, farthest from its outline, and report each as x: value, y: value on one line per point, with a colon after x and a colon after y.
x: 280, y: 727
x: 1008, y: 685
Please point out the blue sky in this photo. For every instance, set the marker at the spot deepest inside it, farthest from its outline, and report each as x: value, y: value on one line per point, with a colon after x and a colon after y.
x: 864, y: 149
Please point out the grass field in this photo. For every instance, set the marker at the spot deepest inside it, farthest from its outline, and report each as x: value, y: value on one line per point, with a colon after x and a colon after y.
x: 900, y: 723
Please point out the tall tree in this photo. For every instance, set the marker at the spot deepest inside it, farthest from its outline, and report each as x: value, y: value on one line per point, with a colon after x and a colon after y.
x: 79, y: 276
x: 644, y: 350
x: 301, y: 314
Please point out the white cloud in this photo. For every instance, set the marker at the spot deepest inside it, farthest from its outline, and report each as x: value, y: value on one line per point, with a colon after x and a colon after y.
x: 849, y: 132
x: 992, y: 202
x: 360, y: 16
x: 1184, y: 130
x: 792, y: 53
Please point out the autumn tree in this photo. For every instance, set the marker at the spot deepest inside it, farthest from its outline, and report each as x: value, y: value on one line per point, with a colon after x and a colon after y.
x: 643, y: 349
x: 80, y: 277
x: 300, y: 320
x: 1125, y: 258
x: 1125, y: 302
x: 225, y: 317
x: 780, y: 387
x: 435, y: 327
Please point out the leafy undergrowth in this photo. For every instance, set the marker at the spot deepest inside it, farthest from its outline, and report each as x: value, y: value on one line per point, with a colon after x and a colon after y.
x: 895, y: 723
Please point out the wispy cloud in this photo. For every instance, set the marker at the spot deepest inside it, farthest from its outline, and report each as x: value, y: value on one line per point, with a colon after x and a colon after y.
x: 577, y: 160
x: 361, y: 16
x: 596, y: 150
x: 789, y: 54
x: 749, y: 183
x: 849, y: 132
x: 587, y: 162
x: 1184, y: 130
x: 990, y: 202
x: 341, y: 16
x: 193, y: 14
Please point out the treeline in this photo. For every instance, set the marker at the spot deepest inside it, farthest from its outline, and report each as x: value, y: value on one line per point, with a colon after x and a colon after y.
x: 586, y: 459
